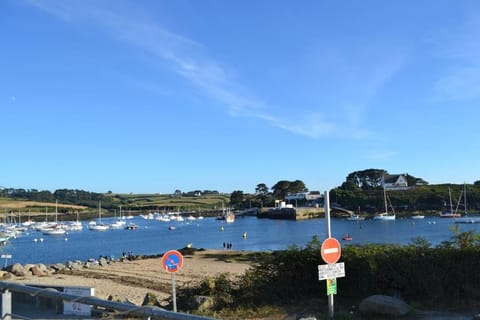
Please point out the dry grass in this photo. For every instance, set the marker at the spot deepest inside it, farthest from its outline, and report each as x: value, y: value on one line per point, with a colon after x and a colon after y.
x: 25, y: 204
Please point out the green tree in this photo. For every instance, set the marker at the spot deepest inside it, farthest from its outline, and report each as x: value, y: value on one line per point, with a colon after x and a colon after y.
x: 236, y: 198
x: 261, y: 189
x: 283, y: 187
x: 280, y: 189
x: 262, y: 196
x: 367, y: 179
x: 297, y: 186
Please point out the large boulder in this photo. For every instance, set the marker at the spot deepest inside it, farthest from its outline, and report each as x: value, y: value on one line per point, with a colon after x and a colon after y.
x: 384, y: 305
x: 103, y: 262
x: 38, y: 271
x: 58, y: 267
x: 18, y: 270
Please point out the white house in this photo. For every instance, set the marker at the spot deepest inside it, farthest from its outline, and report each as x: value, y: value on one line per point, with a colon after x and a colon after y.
x: 395, y: 182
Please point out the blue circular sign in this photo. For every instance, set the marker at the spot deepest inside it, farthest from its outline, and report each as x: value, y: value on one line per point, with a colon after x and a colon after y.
x: 172, y: 261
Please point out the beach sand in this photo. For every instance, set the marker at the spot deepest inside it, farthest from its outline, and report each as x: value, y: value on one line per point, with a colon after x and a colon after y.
x: 132, y: 280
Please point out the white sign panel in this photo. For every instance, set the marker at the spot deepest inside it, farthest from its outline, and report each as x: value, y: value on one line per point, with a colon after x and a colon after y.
x: 75, y: 308
x: 330, y: 271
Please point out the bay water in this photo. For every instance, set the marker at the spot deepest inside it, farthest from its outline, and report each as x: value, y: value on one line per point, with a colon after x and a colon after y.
x: 248, y: 234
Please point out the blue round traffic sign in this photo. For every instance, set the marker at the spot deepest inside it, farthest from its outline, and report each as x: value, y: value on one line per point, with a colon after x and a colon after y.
x: 172, y: 261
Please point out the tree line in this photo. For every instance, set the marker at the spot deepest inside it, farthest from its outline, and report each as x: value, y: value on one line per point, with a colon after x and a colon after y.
x: 361, y: 190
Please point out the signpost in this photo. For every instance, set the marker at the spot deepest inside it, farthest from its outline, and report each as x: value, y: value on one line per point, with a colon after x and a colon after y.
x: 331, y: 251
x: 172, y: 261
x: 6, y: 257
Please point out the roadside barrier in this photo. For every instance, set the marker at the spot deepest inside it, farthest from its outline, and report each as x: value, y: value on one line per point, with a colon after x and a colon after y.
x: 148, y: 312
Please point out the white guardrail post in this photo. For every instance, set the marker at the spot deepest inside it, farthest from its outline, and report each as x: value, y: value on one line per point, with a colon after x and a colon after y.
x: 6, y: 304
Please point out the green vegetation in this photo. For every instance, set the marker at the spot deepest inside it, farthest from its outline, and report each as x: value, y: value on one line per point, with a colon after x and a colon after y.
x: 421, y: 198
x: 362, y: 190
x: 442, y: 277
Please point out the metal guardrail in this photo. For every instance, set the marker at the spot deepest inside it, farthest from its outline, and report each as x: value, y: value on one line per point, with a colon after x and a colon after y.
x: 148, y: 312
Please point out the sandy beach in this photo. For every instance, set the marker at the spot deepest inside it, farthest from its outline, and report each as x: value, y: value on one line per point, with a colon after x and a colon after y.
x: 132, y: 280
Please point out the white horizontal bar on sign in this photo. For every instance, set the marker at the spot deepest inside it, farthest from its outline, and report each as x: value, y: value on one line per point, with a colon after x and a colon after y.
x: 330, y: 250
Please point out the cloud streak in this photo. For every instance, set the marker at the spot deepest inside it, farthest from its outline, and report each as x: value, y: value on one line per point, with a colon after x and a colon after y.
x: 461, y: 49
x: 191, y: 60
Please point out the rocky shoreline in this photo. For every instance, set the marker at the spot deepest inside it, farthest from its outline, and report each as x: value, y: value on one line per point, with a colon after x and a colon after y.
x: 129, y: 280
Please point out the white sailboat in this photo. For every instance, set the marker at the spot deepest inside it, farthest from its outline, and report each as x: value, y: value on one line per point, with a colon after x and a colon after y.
x: 450, y: 213
x: 76, y: 225
x: 98, y: 226
x: 466, y: 218
x: 385, y: 215
x: 120, y: 222
x: 55, y: 229
x: 356, y: 217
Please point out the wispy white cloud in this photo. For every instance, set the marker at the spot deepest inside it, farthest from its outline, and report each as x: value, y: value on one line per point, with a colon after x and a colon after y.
x: 380, y: 155
x: 461, y: 51
x: 192, y: 61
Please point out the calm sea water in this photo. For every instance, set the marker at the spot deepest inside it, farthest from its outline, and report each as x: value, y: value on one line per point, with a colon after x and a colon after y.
x: 154, y: 237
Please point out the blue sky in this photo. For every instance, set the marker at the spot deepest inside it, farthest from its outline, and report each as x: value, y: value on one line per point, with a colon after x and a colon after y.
x: 153, y: 96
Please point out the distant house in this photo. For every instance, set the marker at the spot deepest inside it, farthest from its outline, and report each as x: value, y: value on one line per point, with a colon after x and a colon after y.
x: 177, y: 194
x: 313, y: 195
x: 395, y: 182
x: 309, y: 196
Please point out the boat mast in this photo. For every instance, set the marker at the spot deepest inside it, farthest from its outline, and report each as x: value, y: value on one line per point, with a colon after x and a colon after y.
x: 384, y: 195
x: 450, y: 196
x: 465, y: 196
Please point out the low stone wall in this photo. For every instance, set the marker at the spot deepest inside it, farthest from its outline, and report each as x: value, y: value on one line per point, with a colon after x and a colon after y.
x: 292, y: 213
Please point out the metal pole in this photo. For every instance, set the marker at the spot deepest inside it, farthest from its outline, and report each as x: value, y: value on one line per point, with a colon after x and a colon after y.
x: 329, y: 235
x: 174, y: 293
x: 327, y: 213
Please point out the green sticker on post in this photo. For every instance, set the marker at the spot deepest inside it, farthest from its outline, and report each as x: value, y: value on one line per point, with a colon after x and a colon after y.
x: 331, y: 286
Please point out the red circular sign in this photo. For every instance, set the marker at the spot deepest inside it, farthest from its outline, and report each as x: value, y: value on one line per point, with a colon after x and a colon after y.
x: 331, y: 250
x: 172, y: 261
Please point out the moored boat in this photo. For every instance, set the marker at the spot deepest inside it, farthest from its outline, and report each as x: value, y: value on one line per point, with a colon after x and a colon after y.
x: 94, y: 226
x: 355, y: 217
x: 418, y: 216
x: 55, y: 231
x: 131, y: 226
x: 347, y: 237
x: 386, y: 216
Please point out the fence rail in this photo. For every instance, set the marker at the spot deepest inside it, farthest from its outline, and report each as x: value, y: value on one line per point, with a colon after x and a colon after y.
x: 148, y: 312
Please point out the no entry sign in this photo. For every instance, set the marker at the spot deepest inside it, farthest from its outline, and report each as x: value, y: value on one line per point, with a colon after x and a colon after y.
x: 331, y: 250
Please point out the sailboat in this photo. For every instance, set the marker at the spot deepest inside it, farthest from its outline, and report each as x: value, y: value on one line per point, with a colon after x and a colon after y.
x: 76, y: 225
x: 450, y: 213
x: 385, y: 215
x: 227, y: 215
x: 55, y: 229
x: 120, y: 222
x: 356, y: 217
x: 466, y: 218
x: 98, y: 226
